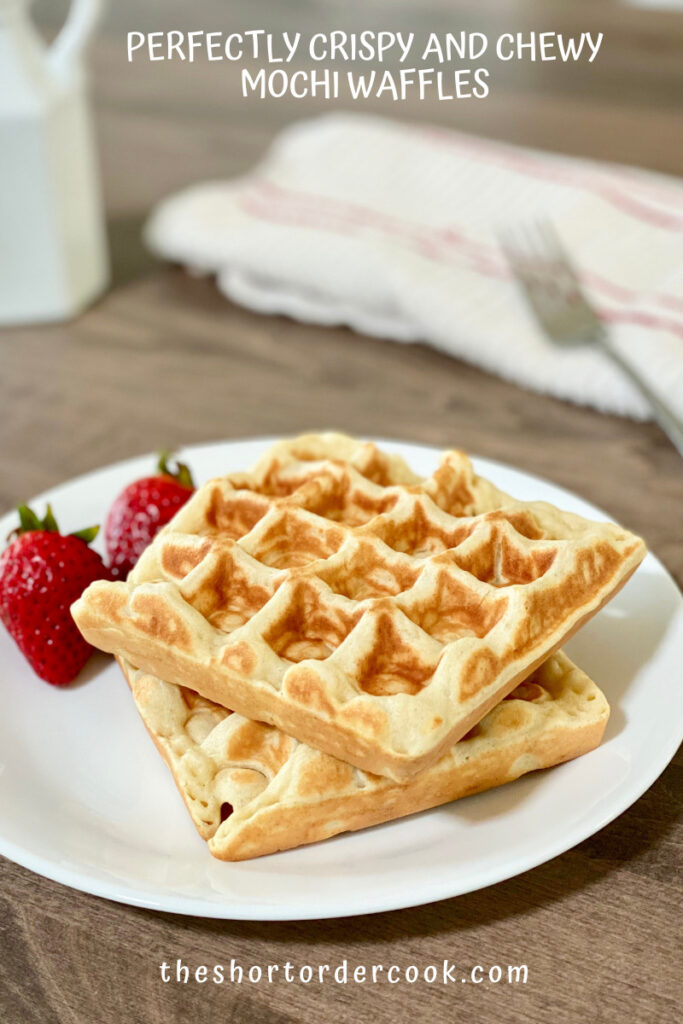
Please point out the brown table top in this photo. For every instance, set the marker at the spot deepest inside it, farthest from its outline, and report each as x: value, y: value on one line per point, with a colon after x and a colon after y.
x: 162, y: 359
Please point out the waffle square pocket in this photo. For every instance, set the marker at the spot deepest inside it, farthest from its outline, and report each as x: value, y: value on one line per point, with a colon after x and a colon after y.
x: 364, y: 610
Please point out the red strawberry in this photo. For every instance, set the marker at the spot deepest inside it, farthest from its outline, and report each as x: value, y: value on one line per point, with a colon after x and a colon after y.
x: 41, y: 574
x: 141, y: 510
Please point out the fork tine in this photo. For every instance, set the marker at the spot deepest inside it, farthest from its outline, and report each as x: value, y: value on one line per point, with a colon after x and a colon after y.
x: 550, y: 236
x: 536, y: 241
x: 553, y: 289
x: 508, y: 243
x: 511, y: 251
x: 517, y: 252
x: 558, y: 254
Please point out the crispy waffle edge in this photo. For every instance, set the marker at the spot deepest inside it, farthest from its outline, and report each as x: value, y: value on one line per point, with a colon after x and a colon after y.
x: 309, y: 796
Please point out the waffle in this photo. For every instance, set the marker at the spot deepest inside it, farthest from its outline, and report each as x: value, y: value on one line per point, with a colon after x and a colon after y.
x: 252, y: 790
x: 366, y: 611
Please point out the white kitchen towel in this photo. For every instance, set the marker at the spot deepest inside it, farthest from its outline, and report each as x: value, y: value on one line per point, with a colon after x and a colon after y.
x: 393, y: 229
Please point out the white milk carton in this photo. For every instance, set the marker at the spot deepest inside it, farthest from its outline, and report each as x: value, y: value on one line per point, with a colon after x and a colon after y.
x: 53, y: 254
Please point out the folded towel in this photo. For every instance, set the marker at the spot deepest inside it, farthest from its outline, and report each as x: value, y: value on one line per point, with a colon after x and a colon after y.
x: 393, y: 229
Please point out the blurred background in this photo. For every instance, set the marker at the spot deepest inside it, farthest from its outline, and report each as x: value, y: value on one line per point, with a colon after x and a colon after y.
x: 164, y: 125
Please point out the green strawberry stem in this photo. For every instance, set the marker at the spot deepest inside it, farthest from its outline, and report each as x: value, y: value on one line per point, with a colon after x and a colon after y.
x: 181, y: 472
x: 29, y: 523
x: 28, y: 520
x: 88, y: 534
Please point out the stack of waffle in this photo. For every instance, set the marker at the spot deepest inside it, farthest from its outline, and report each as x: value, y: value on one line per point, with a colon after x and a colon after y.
x: 329, y: 641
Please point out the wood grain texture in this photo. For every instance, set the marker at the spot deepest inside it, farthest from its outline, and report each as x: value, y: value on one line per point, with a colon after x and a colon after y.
x: 164, y: 360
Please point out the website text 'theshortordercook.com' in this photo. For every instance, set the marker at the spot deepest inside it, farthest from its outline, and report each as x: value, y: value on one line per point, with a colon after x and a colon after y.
x: 343, y: 972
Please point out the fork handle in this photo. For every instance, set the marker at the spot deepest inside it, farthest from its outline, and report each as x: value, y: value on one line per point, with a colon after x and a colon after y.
x: 664, y: 414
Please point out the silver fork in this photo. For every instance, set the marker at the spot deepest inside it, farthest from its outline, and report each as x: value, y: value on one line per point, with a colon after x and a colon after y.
x: 544, y: 269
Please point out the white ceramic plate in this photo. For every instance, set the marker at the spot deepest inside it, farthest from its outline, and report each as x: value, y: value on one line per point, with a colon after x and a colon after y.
x: 86, y: 800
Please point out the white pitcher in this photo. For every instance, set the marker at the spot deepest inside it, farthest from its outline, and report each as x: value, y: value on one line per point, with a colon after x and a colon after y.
x: 53, y: 255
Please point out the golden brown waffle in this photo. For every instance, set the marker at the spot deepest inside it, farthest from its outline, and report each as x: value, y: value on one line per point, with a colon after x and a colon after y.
x: 366, y: 611
x: 252, y: 790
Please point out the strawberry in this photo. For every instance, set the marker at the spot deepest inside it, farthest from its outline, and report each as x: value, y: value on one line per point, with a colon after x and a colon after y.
x: 42, y: 573
x: 141, y: 510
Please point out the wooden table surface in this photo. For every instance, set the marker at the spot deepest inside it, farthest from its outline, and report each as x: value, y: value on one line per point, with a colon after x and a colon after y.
x: 162, y: 359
